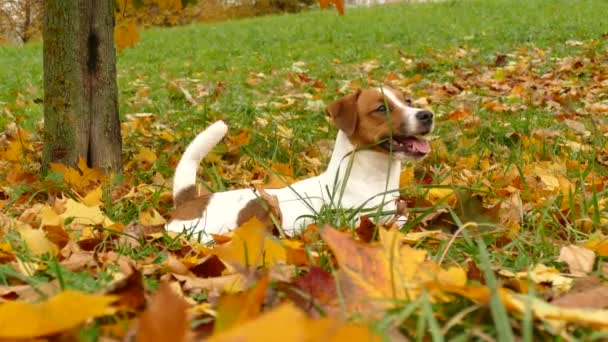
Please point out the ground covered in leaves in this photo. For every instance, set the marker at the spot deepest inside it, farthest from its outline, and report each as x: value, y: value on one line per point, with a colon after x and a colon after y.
x: 507, y: 232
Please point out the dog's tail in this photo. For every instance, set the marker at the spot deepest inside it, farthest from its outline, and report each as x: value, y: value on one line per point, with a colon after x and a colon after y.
x: 185, y: 173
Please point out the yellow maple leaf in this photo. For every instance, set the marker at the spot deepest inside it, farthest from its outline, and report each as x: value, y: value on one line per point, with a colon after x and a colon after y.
x: 85, y: 215
x: 145, y: 155
x: 13, y: 152
x: 288, y: 323
x: 78, y: 178
x: 48, y: 217
x: 62, y: 312
x: 251, y: 246
x: 37, y: 242
x: 93, y: 198
x: 126, y: 35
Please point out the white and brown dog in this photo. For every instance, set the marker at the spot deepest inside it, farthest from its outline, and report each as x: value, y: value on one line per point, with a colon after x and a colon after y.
x: 377, y: 131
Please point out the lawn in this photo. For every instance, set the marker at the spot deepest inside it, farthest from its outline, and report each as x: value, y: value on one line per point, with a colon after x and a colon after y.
x: 517, y: 175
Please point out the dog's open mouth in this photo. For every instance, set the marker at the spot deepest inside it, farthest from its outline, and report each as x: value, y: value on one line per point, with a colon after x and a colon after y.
x: 409, y: 145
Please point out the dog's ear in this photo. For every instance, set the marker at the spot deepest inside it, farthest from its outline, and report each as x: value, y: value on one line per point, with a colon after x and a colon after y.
x: 344, y: 113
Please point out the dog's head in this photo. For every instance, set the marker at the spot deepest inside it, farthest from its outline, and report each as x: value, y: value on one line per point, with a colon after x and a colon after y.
x: 381, y: 119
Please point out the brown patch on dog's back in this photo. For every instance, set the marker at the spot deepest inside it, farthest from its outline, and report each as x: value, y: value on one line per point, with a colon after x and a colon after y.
x: 265, y: 208
x: 191, y: 203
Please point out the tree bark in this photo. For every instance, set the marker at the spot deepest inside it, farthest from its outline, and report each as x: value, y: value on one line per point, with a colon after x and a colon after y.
x: 80, y: 91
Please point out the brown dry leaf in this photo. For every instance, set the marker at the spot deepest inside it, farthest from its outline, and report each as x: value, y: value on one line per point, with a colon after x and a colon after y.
x: 165, y: 319
x: 78, y: 260
x: 580, y: 260
x: 126, y: 35
x: 287, y: 323
x: 175, y: 266
x: 60, y: 313
x: 236, y: 309
x: 577, y: 127
x: 595, y: 297
x: 272, y: 216
x: 317, y: 289
x: 210, y: 266
x: 30, y: 293
x: 57, y: 235
x: 366, y: 231
x: 129, y: 291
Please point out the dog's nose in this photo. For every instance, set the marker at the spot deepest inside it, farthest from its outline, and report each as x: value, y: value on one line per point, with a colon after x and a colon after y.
x: 424, y: 116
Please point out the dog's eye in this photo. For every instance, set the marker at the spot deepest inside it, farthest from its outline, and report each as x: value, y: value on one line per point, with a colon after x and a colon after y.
x: 408, y: 102
x: 381, y: 108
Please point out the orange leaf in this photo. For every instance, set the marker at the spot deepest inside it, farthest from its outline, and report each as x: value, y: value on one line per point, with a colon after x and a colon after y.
x: 338, y: 3
x: 165, y: 319
x: 126, y: 35
x: 236, y: 309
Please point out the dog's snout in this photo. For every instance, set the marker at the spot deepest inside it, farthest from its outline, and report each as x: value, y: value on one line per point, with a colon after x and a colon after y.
x: 424, y: 116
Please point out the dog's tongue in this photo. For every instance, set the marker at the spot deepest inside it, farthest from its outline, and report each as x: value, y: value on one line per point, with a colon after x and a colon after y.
x: 418, y: 145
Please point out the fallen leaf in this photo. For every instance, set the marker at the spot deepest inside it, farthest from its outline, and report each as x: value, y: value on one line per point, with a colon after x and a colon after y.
x: 129, y: 292
x: 165, y: 319
x: 37, y: 242
x: 369, y: 274
x: 580, y: 260
x: 151, y: 218
x: 599, y: 244
x: 555, y: 315
x: 595, y: 297
x: 80, y: 178
x: 93, y: 198
x: 61, y: 312
x: 251, y: 246
x: 57, y: 235
x: 287, y: 323
x: 85, y: 215
x: 236, y: 309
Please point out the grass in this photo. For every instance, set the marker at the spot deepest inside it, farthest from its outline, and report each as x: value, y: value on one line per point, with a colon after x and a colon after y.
x: 436, y: 41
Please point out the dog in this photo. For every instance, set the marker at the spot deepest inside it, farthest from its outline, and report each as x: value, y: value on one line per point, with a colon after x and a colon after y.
x: 378, y: 130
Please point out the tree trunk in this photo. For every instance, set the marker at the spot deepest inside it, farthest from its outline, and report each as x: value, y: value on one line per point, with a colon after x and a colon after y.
x: 80, y: 91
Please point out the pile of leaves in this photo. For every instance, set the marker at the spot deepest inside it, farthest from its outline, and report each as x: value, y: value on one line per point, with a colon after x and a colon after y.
x: 506, y: 232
